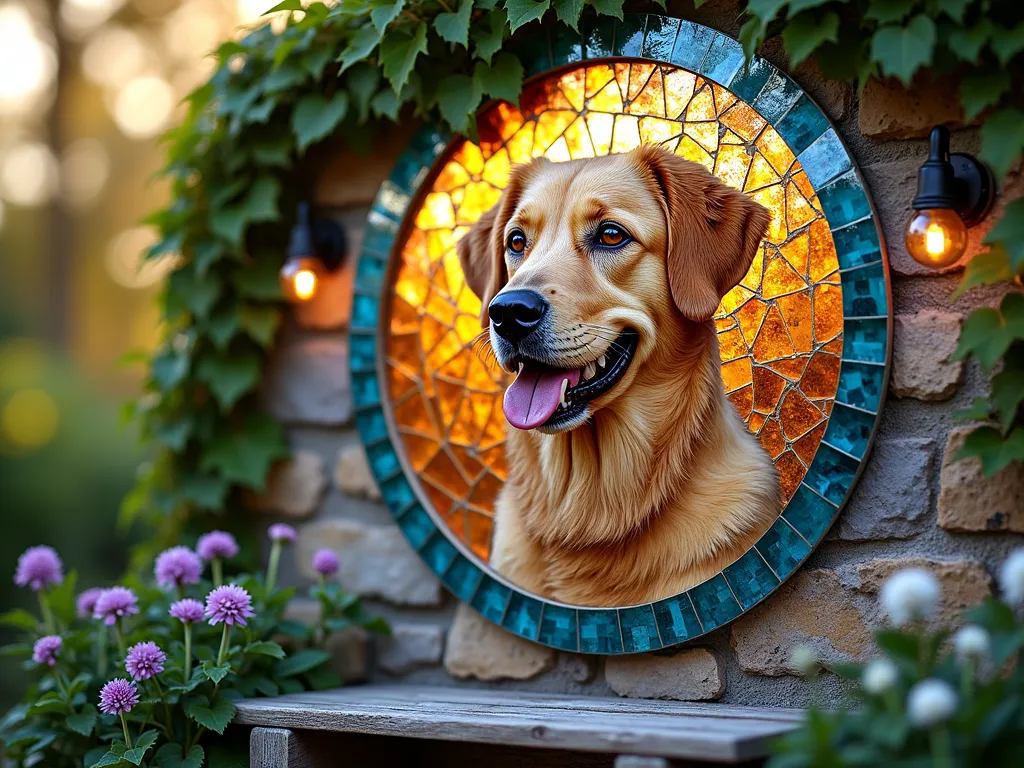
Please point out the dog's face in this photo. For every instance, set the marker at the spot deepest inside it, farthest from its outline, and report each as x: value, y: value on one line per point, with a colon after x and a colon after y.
x: 581, y: 263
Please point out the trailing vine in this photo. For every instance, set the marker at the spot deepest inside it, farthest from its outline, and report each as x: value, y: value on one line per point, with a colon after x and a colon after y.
x: 235, y: 164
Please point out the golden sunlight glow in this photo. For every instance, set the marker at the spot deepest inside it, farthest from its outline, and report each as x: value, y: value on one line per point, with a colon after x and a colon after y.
x: 113, y: 56
x: 29, y: 419
x: 28, y: 174
x: 143, y: 107
x: 79, y: 17
x: 126, y: 264
x: 27, y: 63
x: 84, y: 170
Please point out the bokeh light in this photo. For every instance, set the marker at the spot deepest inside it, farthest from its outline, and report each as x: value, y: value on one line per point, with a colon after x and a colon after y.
x: 113, y: 56
x: 28, y: 174
x: 251, y: 10
x: 79, y: 17
x: 125, y: 261
x: 85, y: 168
x: 27, y: 62
x: 28, y: 420
x: 142, y: 108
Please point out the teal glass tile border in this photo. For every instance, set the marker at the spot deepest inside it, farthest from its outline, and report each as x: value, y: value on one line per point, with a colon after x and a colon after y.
x: 859, y: 398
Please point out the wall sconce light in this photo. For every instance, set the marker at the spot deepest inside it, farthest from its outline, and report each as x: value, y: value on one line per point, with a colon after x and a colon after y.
x: 314, y: 250
x: 954, y: 192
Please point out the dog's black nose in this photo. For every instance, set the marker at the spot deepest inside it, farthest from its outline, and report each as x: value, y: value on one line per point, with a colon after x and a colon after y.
x: 514, y: 314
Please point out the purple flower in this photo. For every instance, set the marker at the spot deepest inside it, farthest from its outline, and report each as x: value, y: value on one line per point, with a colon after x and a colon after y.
x: 187, y: 611
x: 38, y: 568
x: 217, y: 544
x: 87, y: 602
x: 118, y: 697
x: 177, y: 566
x: 325, y: 562
x: 281, y: 532
x: 145, y: 660
x: 46, y: 649
x: 115, y: 603
x: 230, y: 604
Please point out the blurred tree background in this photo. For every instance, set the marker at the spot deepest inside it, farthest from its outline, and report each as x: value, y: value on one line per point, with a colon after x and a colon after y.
x: 86, y: 89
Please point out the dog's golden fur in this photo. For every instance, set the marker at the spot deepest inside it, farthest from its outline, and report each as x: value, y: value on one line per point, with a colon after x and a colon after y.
x: 662, y: 486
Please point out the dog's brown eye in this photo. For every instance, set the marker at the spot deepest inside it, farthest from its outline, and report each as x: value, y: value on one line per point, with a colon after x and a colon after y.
x: 611, y: 235
x: 516, y: 241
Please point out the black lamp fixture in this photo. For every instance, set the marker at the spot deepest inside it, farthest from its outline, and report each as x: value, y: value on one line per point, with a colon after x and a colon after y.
x: 954, y: 192
x: 315, y: 248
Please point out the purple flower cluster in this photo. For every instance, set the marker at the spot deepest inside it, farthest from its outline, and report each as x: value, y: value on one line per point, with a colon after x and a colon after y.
x: 145, y: 660
x: 325, y: 562
x: 281, y: 532
x: 187, y: 611
x: 217, y: 544
x: 86, y: 602
x: 230, y: 604
x: 38, y: 568
x: 176, y: 567
x: 46, y: 649
x: 115, y: 603
x: 118, y: 697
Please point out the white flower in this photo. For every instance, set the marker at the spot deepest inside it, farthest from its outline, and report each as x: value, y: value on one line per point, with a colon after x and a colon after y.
x: 1011, y: 577
x: 930, y: 702
x: 972, y: 643
x: 804, y: 660
x: 910, y: 595
x: 879, y: 676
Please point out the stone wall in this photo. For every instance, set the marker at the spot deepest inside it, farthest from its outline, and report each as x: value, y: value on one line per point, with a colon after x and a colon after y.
x: 913, y: 506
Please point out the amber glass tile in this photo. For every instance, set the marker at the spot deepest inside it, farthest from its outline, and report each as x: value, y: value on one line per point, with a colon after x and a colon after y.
x: 776, y: 329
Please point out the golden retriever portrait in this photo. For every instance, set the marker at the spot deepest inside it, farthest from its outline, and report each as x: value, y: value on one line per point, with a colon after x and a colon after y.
x: 631, y: 477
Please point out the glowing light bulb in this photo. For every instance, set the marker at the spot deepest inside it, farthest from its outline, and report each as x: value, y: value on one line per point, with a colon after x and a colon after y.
x: 936, y: 237
x: 300, y: 278
x: 305, y: 284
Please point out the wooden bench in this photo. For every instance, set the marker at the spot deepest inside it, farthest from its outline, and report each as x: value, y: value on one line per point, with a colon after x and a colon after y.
x: 429, y: 725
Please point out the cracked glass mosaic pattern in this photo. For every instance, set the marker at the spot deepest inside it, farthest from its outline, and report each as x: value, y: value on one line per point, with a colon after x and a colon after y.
x: 780, y: 330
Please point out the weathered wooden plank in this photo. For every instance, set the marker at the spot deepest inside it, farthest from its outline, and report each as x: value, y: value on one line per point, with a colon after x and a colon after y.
x: 623, y: 726
x: 279, y: 748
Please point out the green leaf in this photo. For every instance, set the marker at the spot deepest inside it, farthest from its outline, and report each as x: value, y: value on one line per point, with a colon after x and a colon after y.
x: 259, y: 204
x: 170, y: 756
x: 214, y: 715
x: 979, y: 410
x: 1009, y: 231
x: 386, y: 104
x: 982, y: 336
x: 198, y: 293
x: 259, y: 280
x: 1007, y: 395
x: 503, y: 79
x: 888, y: 11
x: 489, y: 34
x: 1002, y: 137
x: 398, y: 53
x: 982, y: 88
x: 316, y: 116
x: 110, y: 758
x: 966, y: 43
x: 137, y: 753
x: 301, y: 661
x: 275, y: 152
x: 901, y: 51
x: 383, y: 15
x: 244, y: 456
x: 454, y: 27
x: 955, y: 9
x: 205, y: 491
x: 995, y: 453
x: 522, y: 12
x: 607, y: 7
x: 284, y: 5
x: 986, y: 268
x: 266, y: 648
x: 568, y: 12
x: 83, y: 722
x: 362, y: 82
x: 19, y: 618
x: 458, y: 96
x: 806, y: 32
x: 260, y: 323
x: 1007, y: 43
x: 229, y: 376
x: 215, y: 673
x: 360, y: 46
x: 48, y: 703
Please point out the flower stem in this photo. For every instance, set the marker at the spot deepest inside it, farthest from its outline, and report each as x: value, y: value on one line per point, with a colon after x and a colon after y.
x: 320, y: 632
x: 967, y: 679
x: 127, y: 737
x: 218, y: 572
x: 272, y: 565
x: 44, y: 609
x: 223, y: 644
x: 188, y: 652
x: 167, y: 709
x: 942, y: 748
x: 119, y: 636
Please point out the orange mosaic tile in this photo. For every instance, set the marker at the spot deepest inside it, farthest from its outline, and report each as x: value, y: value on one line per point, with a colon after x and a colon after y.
x: 780, y: 330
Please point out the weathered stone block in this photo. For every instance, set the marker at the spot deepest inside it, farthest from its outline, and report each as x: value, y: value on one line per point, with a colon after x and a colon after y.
x: 375, y: 561
x: 578, y: 667
x: 964, y: 584
x: 690, y: 675
x: 478, y: 648
x: 813, y: 608
x: 349, y: 647
x: 294, y: 487
x: 894, y: 496
x: 307, y: 381
x: 888, y: 110
x: 922, y: 346
x: 352, y: 473
x: 969, y: 501
x: 410, y: 646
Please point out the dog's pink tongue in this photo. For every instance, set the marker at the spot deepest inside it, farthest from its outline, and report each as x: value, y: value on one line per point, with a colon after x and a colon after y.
x: 534, y: 395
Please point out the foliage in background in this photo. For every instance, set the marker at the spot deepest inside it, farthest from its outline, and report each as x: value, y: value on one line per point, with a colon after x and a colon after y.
x: 236, y: 170
x: 982, y: 43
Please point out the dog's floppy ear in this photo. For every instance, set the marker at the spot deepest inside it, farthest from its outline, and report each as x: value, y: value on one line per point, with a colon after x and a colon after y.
x: 714, y: 231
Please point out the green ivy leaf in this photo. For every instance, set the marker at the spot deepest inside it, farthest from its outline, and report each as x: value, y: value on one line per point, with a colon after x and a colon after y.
x: 982, y: 88
x: 260, y: 323
x: 205, y: 491
x: 888, y: 11
x: 198, y: 293
x: 1007, y: 43
x: 806, y: 32
x: 1007, y: 395
x: 901, y: 51
x: 955, y: 9
x: 607, y: 7
x: 259, y: 204
x: 83, y: 722
x: 398, y: 53
x: 265, y: 648
x: 382, y: 15
x: 315, y: 61
x: 223, y: 323
x: 454, y: 27
x: 362, y: 81
x: 966, y: 42
x: 259, y: 280
x: 169, y: 369
x: 386, y: 104
x: 109, y: 758
x: 137, y: 753
x: 170, y: 756
x: 1009, y: 231
x: 522, y: 12
x: 284, y: 5
x: 996, y: 453
x: 301, y: 661
x: 979, y: 410
x: 229, y: 376
x: 244, y: 455
x: 315, y: 116
x: 986, y: 268
x: 214, y: 715
x: 19, y: 618
x: 458, y: 96
x: 987, y: 333
x: 503, y: 79
x: 796, y: 6
x: 489, y: 34
x: 360, y: 46
x: 215, y: 673
x: 275, y: 152
x: 568, y: 12
x: 1002, y: 137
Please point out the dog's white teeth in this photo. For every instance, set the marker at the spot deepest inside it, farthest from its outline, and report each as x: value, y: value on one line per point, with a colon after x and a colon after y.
x: 589, y: 371
x: 561, y: 397
x: 601, y: 361
x: 520, y: 368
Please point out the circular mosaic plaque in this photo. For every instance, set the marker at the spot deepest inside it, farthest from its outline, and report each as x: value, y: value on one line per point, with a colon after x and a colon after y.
x: 804, y: 337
